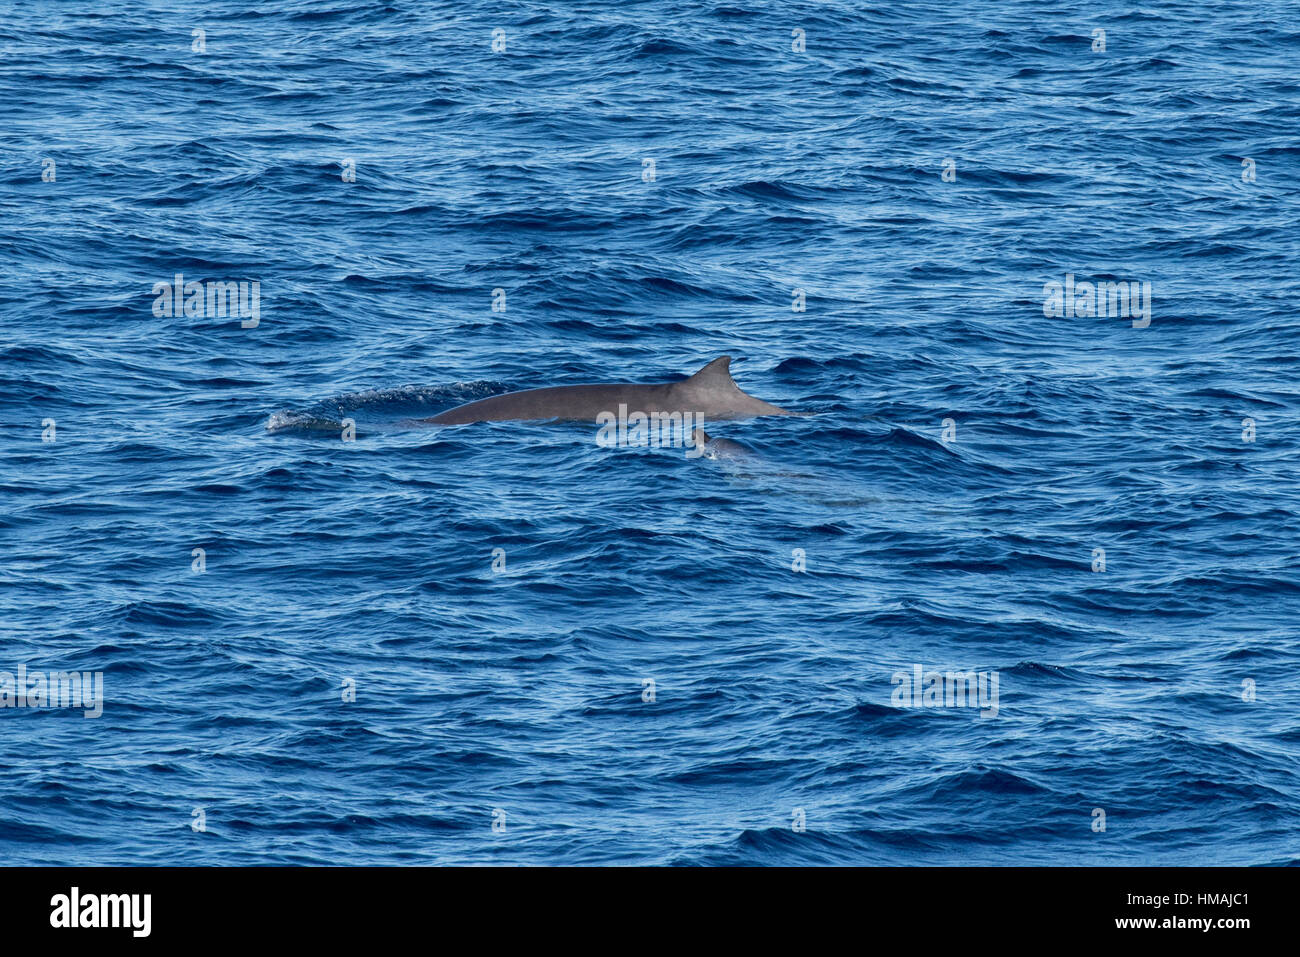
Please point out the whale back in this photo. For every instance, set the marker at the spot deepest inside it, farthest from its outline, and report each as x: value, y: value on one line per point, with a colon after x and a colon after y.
x: 710, y: 393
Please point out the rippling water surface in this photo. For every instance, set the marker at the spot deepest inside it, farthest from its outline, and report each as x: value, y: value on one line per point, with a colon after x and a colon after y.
x: 1161, y: 690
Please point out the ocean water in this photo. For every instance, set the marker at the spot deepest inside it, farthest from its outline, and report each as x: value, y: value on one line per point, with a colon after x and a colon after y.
x: 505, y: 644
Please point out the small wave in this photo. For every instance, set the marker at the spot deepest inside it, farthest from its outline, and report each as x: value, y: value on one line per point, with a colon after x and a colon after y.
x: 377, y: 408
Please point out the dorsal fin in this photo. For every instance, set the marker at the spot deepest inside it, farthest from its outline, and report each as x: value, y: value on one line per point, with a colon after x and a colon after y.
x: 716, y: 373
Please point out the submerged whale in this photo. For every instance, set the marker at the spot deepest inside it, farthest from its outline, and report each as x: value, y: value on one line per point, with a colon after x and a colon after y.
x: 710, y: 393
x: 718, y: 448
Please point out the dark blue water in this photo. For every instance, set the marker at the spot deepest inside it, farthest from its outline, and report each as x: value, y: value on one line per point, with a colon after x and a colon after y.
x: 1163, y: 690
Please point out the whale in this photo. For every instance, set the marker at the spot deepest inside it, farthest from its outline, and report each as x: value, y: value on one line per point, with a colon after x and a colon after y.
x: 710, y: 393
x: 718, y: 448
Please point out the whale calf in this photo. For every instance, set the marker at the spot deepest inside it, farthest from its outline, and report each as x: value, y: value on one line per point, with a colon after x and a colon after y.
x: 717, y: 448
x: 710, y: 393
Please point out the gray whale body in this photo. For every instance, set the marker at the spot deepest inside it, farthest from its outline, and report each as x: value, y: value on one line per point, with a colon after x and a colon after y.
x: 719, y: 448
x: 710, y: 393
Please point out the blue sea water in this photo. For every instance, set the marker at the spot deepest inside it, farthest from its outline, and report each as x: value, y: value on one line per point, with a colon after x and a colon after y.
x: 668, y: 661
